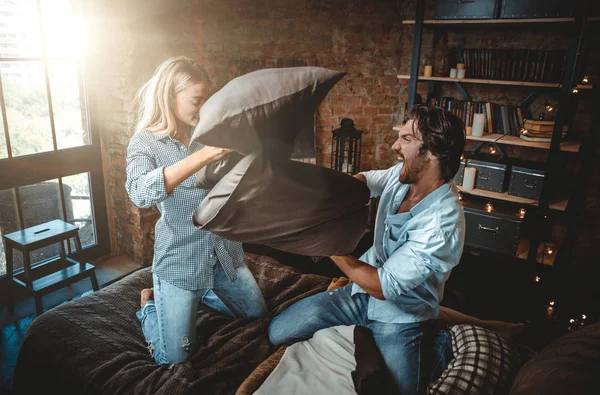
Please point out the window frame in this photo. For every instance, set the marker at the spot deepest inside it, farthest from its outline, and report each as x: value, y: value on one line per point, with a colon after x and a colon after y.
x: 53, y: 165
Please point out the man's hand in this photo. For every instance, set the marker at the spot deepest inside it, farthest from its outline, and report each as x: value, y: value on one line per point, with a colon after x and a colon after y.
x: 364, y: 275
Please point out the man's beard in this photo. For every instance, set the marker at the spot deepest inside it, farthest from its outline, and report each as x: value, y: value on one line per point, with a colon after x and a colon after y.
x: 411, y: 171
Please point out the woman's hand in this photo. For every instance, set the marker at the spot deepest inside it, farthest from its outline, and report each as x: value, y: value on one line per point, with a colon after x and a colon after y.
x: 211, y: 154
x: 180, y: 171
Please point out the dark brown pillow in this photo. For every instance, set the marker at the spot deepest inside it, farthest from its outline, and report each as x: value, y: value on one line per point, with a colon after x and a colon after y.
x: 292, y: 206
x: 262, y: 106
x: 569, y: 365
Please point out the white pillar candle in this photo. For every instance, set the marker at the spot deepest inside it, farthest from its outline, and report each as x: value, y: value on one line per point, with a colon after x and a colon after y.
x: 452, y: 73
x: 478, y: 120
x: 460, y: 73
x: 469, y: 178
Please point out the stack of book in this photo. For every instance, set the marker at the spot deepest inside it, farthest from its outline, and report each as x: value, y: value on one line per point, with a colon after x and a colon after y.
x: 512, y: 64
x: 540, y: 131
x: 499, y: 119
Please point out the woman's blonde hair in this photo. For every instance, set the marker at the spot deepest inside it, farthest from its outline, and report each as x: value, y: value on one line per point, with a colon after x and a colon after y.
x: 153, y: 103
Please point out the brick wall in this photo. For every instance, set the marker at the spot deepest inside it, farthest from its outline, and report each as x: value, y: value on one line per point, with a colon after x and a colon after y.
x: 231, y: 38
x: 363, y: 37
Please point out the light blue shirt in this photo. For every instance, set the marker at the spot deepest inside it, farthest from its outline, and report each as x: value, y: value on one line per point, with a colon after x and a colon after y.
x: 413, y: 252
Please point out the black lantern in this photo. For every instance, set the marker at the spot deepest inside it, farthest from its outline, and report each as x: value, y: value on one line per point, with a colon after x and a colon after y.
x: 345, y: 148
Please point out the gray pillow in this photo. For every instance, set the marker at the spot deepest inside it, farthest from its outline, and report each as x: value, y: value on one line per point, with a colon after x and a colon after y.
x: 292, y: 206
x: 263, y: 106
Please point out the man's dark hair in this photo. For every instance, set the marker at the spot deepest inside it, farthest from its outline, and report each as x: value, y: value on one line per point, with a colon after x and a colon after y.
x: 443, y: 134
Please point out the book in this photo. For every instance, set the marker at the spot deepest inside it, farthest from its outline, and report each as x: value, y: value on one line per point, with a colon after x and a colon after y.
x: 536, y: 139
x: 490, y: 120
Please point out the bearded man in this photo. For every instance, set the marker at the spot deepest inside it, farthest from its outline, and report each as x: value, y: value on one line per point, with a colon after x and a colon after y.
x: 418, y: 239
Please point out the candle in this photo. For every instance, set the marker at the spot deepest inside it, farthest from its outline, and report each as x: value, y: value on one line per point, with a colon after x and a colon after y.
x: 469, y: 130
x: 427, y: 71
x: 478, y: 120
x: 469, y: 178
x: 452, y: 73
x: 460, y: 66
x: 460, y: 73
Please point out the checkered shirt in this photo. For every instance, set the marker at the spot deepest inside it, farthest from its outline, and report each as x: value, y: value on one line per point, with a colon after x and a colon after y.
x: 183, y: 255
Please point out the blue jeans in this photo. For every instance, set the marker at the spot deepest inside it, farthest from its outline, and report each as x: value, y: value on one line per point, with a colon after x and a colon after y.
x: 405, y: 347
x: 169, y: 321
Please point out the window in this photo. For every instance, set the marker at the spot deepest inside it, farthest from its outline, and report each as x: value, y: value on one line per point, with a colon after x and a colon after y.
x: 49, y: 150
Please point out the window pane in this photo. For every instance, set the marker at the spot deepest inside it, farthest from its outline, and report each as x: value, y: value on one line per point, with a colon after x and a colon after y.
x: 79, y: 207
x: 61, y: 29
x: 8, y: 223
x: 19, y: 29
x: 26, y: 101
x: 41, y: 203
x: 69, y: 123
x: 3, y: 148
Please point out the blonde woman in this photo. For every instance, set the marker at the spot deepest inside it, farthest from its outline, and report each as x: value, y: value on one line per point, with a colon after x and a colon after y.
x: 190, y: 265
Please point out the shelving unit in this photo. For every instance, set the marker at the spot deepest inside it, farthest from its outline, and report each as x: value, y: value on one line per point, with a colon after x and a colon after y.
x: 558, y: 205
x: 492, y: 82
x: 497, y: 21
x: 576, y: 32
x: 567, y: 146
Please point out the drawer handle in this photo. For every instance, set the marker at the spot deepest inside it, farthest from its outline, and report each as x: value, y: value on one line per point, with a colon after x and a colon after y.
x: 529, y: 185
x: 486, y: 229
x: 483, y: 177
x: 466, y: 1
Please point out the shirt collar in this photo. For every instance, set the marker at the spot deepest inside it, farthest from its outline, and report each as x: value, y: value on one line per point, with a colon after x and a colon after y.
x: 430, y: 199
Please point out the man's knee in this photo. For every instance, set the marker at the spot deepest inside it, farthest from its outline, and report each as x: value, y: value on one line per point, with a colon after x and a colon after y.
x: 277, y: 332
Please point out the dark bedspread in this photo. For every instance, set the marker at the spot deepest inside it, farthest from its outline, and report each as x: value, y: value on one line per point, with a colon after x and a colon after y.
x: 95, y: 345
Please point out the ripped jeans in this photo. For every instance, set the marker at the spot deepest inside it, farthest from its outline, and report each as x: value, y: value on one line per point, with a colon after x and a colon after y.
x: 169, y: 321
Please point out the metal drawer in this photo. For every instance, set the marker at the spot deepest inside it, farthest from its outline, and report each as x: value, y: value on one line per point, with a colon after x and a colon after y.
x: 492, y: 231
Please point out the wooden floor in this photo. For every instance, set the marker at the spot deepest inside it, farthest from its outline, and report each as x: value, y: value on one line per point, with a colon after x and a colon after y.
x: 14, y: 326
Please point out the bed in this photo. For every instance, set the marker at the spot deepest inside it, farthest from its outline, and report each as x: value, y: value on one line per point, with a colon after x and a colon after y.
x: 94, y: 345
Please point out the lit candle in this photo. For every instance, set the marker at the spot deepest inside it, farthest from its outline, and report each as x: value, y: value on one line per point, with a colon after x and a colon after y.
x: 469, y: 178
x: 522, y: 213
x: 488, y: 207
x: 478, y: 121
x: 585, y: 79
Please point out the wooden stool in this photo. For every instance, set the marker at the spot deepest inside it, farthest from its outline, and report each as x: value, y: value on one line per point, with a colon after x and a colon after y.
x: 37, y: 284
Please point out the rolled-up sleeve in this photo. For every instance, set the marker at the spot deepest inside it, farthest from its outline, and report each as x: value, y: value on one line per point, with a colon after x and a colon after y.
x: 414, y: 262
x: 145, y: 183
x: 377, y: 179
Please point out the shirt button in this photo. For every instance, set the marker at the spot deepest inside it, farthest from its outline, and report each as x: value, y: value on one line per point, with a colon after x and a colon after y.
x: 211, y: 255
